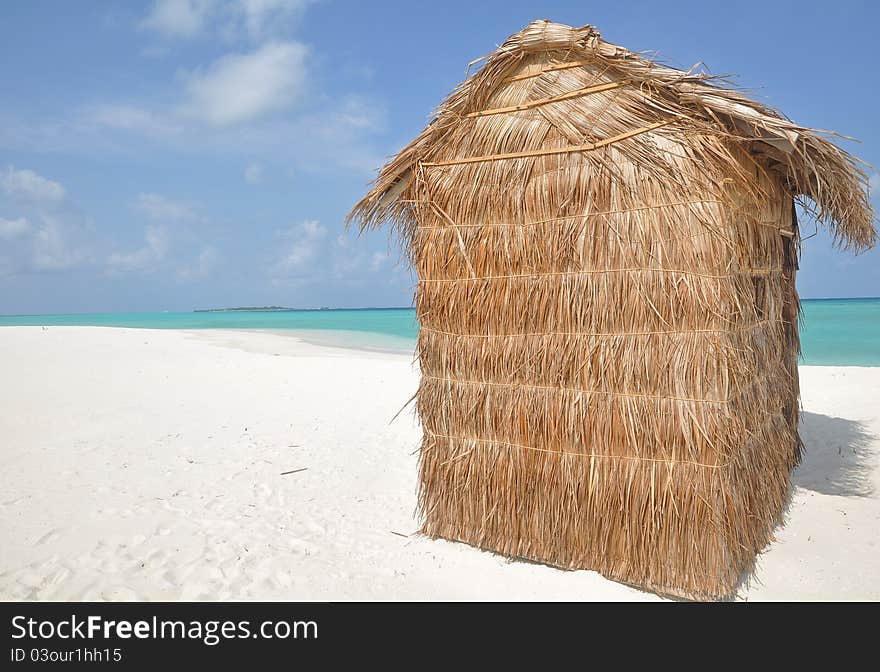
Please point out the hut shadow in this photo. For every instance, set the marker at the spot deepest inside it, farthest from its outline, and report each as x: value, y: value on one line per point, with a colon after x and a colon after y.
x: 838, y: 458
x: 839, y: 455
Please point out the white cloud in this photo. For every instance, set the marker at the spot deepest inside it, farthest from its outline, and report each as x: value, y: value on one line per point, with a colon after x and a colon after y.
x: 358, y: 112
x: 258, y: 15
x: 160, y: 208
x: 313, y: 228
x: 28, y: 185
x: 52, y: 250
x: 52, y: 228
x: 306, y: 236
x: 178, y: 18
x: 144, y: 258
x: 253, y: 173
x: 229, y: 18
x: 12, y: 228
x: 240, y: 87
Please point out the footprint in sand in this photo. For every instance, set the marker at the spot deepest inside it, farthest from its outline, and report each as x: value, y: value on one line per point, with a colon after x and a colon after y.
x: 48, y: 538
x: 51, y: 582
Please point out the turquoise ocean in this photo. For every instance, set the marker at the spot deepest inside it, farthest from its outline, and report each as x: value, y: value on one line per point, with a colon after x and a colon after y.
x: 840, y: 332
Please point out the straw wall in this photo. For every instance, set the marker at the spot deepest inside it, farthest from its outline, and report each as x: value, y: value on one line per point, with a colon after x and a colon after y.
x: 608, y: 364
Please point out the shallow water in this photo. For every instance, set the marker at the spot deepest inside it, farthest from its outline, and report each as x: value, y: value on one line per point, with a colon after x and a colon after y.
x: 838, y: 332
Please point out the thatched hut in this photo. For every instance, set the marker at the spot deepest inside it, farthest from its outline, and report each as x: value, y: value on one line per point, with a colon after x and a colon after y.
x: 606, y: 251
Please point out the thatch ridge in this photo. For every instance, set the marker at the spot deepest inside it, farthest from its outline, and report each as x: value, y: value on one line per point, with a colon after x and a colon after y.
x: 833, y: 182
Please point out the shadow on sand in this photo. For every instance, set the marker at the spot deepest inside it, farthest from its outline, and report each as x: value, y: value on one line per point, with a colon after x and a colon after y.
x: 839, y: 455
x: 838, y: 458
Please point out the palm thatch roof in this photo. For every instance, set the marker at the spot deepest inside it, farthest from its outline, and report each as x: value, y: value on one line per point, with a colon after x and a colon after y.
x: 630, y: 92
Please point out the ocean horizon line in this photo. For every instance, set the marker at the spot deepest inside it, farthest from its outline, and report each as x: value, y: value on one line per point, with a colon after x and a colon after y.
x: 837, y: 331
x: 281, y: 309
x: 208, y: 310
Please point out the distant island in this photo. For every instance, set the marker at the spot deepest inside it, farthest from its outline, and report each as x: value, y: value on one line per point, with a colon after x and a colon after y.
x: 242, y: 309
x: 258, y: 309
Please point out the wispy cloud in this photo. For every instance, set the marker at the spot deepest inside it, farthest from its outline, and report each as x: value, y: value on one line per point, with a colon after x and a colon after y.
x: 145, y: 258
x: 178, y: 18
x: 53, y: 250
x: 258, y: 17
x: 352, y: 261
x: 251, y: 104
x: 13, y: 228
x: 48, y: 235
x: 241, y: 87
x: 229, y: 19
x: 28, y: 185
x: 305, y: 238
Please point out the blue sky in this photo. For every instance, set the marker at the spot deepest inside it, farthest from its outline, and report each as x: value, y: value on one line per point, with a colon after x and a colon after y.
x: 196, y: 153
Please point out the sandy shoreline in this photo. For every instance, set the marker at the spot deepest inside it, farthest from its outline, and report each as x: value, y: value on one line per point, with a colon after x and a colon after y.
x: 147, y: 464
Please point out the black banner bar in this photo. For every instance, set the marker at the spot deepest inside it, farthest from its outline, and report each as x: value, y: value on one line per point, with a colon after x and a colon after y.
x: 146, y: 635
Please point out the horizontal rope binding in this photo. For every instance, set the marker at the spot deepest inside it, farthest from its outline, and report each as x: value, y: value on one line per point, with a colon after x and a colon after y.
x: 577, y: 93
x: 599, y: 334
x: 670, y: 461
x: 578, y: 390
x: 546, y: 152
x: 552, y: 68
x: 583, y: 215
x: 601, y: 271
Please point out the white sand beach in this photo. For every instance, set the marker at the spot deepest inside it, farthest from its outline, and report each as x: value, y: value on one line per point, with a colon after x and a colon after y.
x: 149, y: 464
